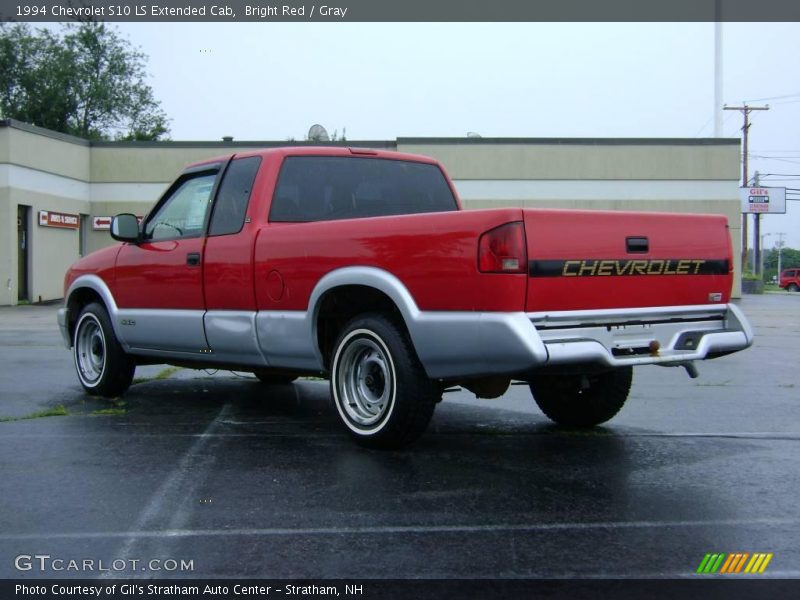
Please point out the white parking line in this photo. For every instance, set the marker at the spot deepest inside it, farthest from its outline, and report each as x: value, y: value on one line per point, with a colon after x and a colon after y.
x: 184, y: 478
x: 142, y: 533
x: 747, y: 435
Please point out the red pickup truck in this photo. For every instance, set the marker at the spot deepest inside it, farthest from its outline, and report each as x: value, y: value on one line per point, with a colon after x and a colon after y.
x: 361, y: 265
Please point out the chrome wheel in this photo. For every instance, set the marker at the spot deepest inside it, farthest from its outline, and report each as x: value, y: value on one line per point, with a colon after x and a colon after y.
x: 90, y: 350
x: 103, y: 367
x: 365, y: 381
x: 379, y: 388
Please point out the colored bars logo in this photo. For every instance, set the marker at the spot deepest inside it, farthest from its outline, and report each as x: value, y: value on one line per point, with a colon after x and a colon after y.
x: 734, y: 563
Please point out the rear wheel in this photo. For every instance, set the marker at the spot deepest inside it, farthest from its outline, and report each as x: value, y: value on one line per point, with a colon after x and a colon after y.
x: 582, y: 400
x: 102, y: 365
x: 379, y: 387
x: 792, y: 287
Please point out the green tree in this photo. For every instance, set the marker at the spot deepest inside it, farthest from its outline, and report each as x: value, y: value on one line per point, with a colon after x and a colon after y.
x: 84, y: 80
x: 789, y: 258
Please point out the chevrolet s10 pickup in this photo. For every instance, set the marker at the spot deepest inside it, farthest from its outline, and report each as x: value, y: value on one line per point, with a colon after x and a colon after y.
x: 361, y: 265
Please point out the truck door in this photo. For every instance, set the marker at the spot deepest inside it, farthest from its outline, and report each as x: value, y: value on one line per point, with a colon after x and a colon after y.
x: 159, y: 282
x: 230, y: 319
x: 228, y: 259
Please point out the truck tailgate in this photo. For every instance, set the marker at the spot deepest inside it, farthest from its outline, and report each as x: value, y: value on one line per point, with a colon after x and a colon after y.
x: 582, y: 260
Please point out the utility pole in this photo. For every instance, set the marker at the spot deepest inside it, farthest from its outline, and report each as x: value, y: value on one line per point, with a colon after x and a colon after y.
x: 745, y: 110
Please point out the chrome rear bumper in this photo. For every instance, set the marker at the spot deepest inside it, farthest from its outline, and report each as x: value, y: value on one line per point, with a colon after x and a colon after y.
x: 642, y: 336
x: 453, y: 345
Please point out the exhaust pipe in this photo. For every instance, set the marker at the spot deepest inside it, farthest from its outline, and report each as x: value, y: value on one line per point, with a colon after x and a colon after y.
x: 691, y: 369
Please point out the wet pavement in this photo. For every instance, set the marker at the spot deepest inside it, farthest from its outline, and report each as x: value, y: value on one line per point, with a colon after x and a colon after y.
x: 248, y: 480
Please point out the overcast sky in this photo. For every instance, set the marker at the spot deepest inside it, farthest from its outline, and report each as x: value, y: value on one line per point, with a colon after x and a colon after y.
x: 271, y: 81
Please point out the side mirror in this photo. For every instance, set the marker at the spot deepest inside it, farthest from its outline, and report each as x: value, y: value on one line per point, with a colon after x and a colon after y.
x: 125, y: 228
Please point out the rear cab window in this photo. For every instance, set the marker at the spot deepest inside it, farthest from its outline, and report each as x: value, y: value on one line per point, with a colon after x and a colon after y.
x: 327, y: 188
x: 230, y: 207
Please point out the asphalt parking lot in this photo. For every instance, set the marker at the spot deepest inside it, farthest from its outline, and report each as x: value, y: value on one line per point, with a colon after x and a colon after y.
x: 248, y: 480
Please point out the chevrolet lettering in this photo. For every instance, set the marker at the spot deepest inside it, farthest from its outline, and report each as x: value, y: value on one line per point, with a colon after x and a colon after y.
x: 619, y: 268
x: 360, y: 266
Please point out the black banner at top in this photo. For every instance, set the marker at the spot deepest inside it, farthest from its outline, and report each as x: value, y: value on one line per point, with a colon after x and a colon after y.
x: 400, y: 10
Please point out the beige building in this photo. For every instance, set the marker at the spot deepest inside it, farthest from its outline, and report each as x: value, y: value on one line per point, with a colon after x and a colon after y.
x: 57, y: 191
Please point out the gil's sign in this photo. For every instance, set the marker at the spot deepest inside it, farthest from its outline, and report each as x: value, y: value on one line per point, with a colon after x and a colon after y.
x: 763, y: 199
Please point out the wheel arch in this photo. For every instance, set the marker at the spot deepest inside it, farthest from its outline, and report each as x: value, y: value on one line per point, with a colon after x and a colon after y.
x: 343, y: 294
x: 85, y: 290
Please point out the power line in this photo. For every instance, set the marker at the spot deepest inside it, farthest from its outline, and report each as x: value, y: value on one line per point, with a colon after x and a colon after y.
x: 699, y: 131
x: 795, y: 95
x: 786, y: 160
x: 776, y: 156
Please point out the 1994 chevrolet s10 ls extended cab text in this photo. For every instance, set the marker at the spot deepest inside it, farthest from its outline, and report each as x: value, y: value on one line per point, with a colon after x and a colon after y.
x: 361, y: 265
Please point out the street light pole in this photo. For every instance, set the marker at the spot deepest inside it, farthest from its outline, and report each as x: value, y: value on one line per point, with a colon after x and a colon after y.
x: 779, y: 246
x: 717, y: 68
x: 761, y: 256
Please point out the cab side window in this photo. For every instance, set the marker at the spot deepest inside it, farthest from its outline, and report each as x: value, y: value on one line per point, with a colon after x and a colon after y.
x: 183, y: 214
x: 230, y: 207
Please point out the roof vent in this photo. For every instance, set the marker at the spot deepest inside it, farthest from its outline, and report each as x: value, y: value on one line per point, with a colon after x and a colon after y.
x: 227, y: 138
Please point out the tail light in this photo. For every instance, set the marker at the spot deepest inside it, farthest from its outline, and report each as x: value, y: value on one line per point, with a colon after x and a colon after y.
x: 502, y: 249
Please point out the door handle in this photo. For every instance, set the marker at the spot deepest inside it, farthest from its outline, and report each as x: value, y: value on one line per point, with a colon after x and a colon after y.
x: 193, y: 259
x: 637, y: 245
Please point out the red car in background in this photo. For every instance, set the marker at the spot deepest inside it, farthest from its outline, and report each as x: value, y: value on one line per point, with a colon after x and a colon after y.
x: 790, y: 280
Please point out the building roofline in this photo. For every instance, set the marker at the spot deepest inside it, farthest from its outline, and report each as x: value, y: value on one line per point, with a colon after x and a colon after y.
x: 571, y: 141
x: 381, y: 144
x: 64, y: 137
x: 233, y: 145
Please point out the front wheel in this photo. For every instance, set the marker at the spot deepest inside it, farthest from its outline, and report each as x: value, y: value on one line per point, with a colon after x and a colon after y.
x: 792, y: 287
x: 379, y: 387
x: 582, y: 400
x: 102, y: 365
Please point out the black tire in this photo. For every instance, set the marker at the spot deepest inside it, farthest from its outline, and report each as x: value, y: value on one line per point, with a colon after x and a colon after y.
x: 103, y: 367
x: 582, y: 400
x: 792, y: 287
x: 270, y: 377
x: 379, y: 387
